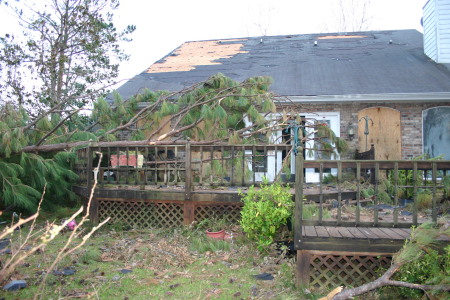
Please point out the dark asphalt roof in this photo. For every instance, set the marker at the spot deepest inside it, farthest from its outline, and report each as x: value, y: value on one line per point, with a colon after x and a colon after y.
x: 380, y: 62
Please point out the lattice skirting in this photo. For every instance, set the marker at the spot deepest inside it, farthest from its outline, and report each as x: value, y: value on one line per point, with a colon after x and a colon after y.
x: 327, y: 270
x: 165, y: 213
x: 142, y: 214
x: 230, y: 212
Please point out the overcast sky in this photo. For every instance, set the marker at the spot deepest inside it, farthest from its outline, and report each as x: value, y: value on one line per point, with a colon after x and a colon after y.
x: 162, y: 26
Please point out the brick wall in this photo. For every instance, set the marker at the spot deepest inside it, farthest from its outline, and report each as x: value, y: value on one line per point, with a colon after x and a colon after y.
x: 410, y: 120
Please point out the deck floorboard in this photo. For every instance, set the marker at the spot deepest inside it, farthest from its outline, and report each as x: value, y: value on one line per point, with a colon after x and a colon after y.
x: 356, y: 232
x: 310, y: 231
x: 322, y: 231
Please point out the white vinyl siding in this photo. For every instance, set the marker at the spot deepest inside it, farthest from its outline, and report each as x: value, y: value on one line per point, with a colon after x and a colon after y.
x: 436, y: 30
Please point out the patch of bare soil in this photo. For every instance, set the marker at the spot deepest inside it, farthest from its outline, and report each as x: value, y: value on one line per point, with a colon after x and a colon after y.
x: 149, y: 251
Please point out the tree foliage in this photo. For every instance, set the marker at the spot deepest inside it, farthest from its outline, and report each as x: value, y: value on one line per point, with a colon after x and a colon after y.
x: 24, y: 176
x: 216, y: 110
x: 67, y: 55
x: 210, y: 110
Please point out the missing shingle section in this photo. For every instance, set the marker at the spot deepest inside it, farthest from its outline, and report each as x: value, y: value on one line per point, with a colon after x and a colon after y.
x: 201, y: 53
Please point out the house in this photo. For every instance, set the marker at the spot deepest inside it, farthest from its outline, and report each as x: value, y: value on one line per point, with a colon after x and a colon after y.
x: 380, y: 87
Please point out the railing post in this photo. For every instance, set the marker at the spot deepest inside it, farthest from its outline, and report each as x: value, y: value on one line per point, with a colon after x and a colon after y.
x: 415, y: 193
x: 376, y: 198
x: 358, y: 192
x: 298, y: 198
x: 321, y: 193
x: 189, y: 207
x: 396, y: 194
x: 434, y: 205
x: 188, y: 176
x: 339, y: 181
x: 93, y: 208
x: 89, y: 171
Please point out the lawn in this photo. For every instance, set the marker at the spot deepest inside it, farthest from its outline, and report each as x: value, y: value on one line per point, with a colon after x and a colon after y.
x: 180, y: 263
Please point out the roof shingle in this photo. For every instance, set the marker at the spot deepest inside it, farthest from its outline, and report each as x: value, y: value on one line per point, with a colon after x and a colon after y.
x: 378, y: 62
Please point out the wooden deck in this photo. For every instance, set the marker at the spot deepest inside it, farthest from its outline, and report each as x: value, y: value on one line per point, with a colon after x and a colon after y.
x: 356, y: 232
x: 373, y: 239
x: 171, y: 185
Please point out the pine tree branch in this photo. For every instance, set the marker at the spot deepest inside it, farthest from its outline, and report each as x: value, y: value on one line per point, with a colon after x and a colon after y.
x: 149, y: 108
x: 56, y: 127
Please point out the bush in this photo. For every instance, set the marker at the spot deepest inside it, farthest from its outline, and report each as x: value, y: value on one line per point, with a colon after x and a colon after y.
x: 383, y: 197
x: 265, y: 211
x: 329, y: 179
x: 431, y: 268
x: 424, y: 199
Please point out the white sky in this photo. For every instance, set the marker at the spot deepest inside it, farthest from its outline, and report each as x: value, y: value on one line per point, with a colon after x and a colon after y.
x: 163, y: 25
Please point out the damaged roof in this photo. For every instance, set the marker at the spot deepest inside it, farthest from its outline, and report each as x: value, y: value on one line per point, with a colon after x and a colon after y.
x: 376, y: 62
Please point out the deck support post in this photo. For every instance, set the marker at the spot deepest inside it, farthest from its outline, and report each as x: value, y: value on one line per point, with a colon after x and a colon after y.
x: 188, y: 212
x: 303, y: 268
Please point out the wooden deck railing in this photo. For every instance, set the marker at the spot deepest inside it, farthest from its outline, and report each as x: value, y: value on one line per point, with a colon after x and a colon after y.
x: 412, y: 176
x: 189, y: 165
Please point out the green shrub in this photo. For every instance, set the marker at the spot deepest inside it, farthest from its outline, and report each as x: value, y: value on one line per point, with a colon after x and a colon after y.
x: 383, y: 194
x: 384, y: 197
x: 367, y: 193
x: 424, y: 199
x: 329, y: 179
x: 446, y: 183
x: 265, y: 211
x: 431, y: 268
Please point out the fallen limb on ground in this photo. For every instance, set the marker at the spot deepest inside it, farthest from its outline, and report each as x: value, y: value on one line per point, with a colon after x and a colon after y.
x: 332, y: 293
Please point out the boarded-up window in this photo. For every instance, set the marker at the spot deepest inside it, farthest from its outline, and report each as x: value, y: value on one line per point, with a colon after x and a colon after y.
x: 384, y: 132
x: 436, y: 132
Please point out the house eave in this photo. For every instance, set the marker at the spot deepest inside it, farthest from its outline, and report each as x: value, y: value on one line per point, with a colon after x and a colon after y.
x: 390, y: 97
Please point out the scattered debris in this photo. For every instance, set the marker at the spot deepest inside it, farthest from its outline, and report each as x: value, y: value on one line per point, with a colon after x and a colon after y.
x: 173, y: 286
x: 254, y: 290
x: 126, y: 271
x: 71, y: 225
x: 264, y: 276
x: 226, y: 263
x: 4, y: 243
x: 65, y: 272
x: 15, y: 285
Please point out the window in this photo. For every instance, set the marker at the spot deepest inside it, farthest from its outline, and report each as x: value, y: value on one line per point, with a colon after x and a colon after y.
x: 260, y: 161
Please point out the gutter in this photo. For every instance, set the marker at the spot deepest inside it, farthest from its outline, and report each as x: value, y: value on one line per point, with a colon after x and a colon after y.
x: 392, y: 98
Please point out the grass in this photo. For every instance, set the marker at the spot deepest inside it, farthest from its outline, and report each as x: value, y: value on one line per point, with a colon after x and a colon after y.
x: 173, y: 263
x: 311, y: 212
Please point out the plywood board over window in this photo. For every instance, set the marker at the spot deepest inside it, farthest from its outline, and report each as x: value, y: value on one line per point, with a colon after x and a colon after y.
x: 436, y: 132
x: 384, y: 132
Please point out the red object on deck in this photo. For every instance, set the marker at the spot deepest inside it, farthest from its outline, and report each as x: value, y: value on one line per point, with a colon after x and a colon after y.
x: 121, y: 160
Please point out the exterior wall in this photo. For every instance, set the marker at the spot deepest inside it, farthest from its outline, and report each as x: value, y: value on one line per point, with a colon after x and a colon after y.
x: 436, y: 29
x: 411, y: 122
